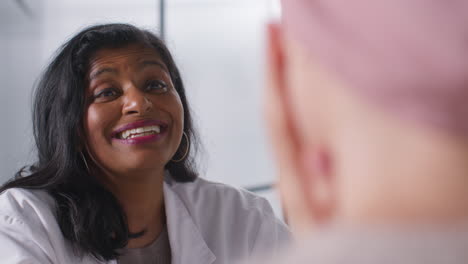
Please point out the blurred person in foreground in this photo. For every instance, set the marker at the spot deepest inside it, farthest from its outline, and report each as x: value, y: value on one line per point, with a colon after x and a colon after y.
x: 367, y: 105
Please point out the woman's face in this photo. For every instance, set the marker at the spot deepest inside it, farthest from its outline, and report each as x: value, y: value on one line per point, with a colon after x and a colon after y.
x: 134, y: 117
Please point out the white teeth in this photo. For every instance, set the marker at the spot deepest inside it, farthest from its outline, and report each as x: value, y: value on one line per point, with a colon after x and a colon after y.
x: 125, y: 134
x: 157, y: 129
x: 141, y: 131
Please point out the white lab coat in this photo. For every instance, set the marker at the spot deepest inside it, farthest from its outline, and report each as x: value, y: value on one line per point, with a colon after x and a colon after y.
x: 208, y: 223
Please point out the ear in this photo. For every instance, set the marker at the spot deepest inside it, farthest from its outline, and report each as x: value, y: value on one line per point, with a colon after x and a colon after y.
x: 305, y: 172
x: 276, y: 106
x: 283, y: 133
x: 316, y: 173
x: 275, y: 57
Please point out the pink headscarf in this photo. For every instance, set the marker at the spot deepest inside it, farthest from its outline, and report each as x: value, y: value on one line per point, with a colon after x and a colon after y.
x: 408, y: 56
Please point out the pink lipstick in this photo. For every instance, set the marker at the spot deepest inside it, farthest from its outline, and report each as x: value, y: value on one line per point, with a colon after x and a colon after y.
x: 140, y: 132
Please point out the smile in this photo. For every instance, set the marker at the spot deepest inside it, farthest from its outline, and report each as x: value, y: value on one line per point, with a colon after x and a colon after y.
x: 139, y: 132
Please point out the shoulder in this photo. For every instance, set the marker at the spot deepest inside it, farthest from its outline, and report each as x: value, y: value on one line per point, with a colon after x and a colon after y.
x: 23, y: 204
x: 29, y: 231
x: 215, y: 195
x: 233, y: 215
x: 26, y: 220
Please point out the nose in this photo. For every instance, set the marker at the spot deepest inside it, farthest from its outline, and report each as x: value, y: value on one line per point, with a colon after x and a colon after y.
x: 136, y: 102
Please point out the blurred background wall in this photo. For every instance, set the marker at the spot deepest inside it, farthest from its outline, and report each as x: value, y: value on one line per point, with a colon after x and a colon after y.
x: 218, y: 46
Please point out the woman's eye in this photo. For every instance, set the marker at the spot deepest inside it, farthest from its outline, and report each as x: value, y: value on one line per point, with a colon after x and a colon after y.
x: 157, y: 86
x: 106, y: 93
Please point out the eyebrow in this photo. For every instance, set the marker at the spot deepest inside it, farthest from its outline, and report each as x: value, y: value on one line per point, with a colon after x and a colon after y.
x: 147, y: 63
x: 95, y: 74
x: 143, y: 65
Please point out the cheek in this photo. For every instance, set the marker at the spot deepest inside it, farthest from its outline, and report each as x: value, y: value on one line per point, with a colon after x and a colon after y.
x: 89, y: 123
x: 172, y: 106
x: 177, y: 111
x: 95, y: 123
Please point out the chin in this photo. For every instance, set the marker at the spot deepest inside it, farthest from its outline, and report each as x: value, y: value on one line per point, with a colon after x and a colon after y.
x: 146, y: 166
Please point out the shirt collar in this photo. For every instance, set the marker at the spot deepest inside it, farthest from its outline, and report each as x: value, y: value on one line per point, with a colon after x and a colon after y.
x: 187, y: 242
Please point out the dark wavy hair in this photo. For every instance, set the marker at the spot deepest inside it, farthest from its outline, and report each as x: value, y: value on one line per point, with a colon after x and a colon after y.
x: 89, y: 215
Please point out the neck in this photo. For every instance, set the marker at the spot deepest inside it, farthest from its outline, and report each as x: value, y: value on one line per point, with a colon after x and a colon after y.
x: 140, y: 193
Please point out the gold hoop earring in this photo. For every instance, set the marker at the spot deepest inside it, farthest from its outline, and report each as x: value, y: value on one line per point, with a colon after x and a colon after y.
x: 186, y: 151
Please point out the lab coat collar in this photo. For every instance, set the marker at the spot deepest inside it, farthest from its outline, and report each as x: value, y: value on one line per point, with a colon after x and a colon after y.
x: 187, y: 243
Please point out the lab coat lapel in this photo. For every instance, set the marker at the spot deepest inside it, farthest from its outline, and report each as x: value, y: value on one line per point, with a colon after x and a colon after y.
x: 187, y: 243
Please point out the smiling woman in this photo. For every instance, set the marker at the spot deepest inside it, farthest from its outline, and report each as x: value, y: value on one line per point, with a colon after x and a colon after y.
x: 115, y: 178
